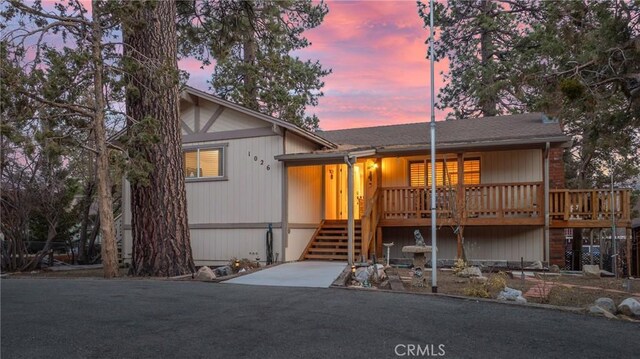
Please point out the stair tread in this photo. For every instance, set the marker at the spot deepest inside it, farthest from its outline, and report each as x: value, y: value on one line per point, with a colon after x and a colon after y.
x: 333, y: 245
x: 332, y: 250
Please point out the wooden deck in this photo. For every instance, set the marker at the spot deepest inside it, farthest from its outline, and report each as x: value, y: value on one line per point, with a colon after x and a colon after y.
x: 505, y: 205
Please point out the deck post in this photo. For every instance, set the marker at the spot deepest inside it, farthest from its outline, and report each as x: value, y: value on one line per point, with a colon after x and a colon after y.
x: 350, y: 219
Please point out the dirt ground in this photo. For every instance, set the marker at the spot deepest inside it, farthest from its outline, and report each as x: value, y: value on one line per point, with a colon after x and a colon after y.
x: 79, y: 273
x: 565, y: 290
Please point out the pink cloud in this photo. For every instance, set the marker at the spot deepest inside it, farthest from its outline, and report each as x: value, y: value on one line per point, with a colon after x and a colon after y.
x: 377, y: 52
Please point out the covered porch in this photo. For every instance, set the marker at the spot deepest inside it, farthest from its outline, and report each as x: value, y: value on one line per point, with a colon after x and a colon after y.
x: 360, y: 193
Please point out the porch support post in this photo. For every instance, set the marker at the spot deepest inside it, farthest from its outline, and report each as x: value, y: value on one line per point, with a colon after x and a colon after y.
x: 285, y: 212
x: 350, y: 219
x: 547, y: 258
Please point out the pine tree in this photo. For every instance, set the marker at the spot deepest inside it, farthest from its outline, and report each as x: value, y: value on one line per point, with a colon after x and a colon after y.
x: 252, y: 44
x: 479, y: 37
x: 161, y: 242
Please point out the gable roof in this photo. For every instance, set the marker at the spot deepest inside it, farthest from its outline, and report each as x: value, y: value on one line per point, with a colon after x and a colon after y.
x: 524, y: 128
x: 270, y: 119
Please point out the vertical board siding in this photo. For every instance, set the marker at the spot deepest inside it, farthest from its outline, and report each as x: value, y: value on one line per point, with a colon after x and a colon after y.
x: 297, y: 242
x: 481, y: 243
x: 297, y: 144
x: 230, y: 120
x: 495, y: 167
x: 252, y: 194
x: 221, y: 245
x: 304, y: 206
x: 305, y: 194
x: 511, y: 166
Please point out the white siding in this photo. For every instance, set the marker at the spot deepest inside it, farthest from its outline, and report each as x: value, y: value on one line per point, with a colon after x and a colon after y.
x: 231, y: 120
x: 495, y: 167
x: 297, y: 144
x: 297, y: 242
x: 511, y: 166
x: 252, y: 194
x: 218, y: 246
x: 481, y: 243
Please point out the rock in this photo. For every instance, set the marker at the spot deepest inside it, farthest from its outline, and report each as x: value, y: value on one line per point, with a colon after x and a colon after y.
x: 460, y: 280
x: 223, y: 271
x: 554, y: 268
x: 521, y: 300
x: 535, y: 265
x: 379, y: 268
x: 591, y: 270
x: 509, y: 294
x: 606, y: 304
x: 362, y: 274
x: 205, y: 273
x: 479, y: 280
x: 470, y: 272
x: 596, y: 310
x: 630, y: 307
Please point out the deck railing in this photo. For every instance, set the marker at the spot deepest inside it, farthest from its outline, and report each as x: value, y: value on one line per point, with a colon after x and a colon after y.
x: 479, y: 201
x: 512, y: 202
x: 594, y: 204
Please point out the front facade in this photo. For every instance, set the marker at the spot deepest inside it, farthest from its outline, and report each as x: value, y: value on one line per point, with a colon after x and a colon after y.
x: 338, y: 195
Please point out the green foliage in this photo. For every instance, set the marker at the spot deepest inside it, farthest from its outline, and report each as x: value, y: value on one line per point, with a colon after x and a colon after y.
x: 252, y: 45
x: 575, y: 61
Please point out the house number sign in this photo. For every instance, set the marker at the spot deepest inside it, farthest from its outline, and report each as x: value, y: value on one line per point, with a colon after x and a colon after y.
x: 259, y: 161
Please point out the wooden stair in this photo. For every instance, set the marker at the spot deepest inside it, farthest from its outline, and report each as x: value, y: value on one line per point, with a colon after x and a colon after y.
x: 330, y: 242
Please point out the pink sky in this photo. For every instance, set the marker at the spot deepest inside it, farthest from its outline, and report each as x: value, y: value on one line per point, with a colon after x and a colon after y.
x: 380, y: 72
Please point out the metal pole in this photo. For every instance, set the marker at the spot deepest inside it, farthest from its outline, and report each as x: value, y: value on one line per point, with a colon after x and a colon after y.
x: 613, y: 228
x: 434, y: 247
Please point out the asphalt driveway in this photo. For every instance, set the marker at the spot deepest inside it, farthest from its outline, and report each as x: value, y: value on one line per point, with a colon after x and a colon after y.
x: 83, y: 318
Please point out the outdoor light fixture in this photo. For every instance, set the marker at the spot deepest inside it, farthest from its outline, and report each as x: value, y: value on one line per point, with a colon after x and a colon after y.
x: 353, y: 269
x: 372, y: 168
x: 237, y: 264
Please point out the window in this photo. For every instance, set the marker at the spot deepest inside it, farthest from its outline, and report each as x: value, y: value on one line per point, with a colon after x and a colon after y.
x: 444, y: 174
x: 204, y: 163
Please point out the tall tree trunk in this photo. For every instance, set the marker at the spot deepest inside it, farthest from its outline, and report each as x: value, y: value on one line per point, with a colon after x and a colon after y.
x: 86, y: 209
x: 249, y: 56
x: 161, y: 244
x: 105, y: 200
x: 488, y: 101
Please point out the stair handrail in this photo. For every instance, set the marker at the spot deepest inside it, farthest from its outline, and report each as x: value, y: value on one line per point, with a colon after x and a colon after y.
x: 370, y: 221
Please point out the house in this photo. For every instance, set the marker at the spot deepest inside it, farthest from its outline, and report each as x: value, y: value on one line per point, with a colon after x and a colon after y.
x: 336, y: 195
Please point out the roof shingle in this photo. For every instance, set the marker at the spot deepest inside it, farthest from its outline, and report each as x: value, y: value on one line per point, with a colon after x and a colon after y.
x: 480, y: 130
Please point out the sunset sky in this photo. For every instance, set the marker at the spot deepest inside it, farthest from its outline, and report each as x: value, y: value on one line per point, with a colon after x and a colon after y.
x: 380, y: 73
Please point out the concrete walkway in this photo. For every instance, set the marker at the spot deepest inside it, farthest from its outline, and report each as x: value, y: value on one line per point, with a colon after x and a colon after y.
x: 295, y: 274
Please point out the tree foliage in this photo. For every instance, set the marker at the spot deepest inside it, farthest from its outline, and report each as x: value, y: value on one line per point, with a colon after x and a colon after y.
x: 253, y: 45
x: 577, y: 61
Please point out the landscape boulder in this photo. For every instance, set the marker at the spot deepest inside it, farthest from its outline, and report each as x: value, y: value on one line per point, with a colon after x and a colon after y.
x: 470, y: 272
x: 630, y: 307
x: 223, y: 271
x: 606, y: 304
x: 597, y: 310
x: 205, y: 273
x: 591, y: 270
x: 554, y: 268
x: 535, y: 265
x: 509, y: 294
x: 379, y: 268
x: 363, y: 274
